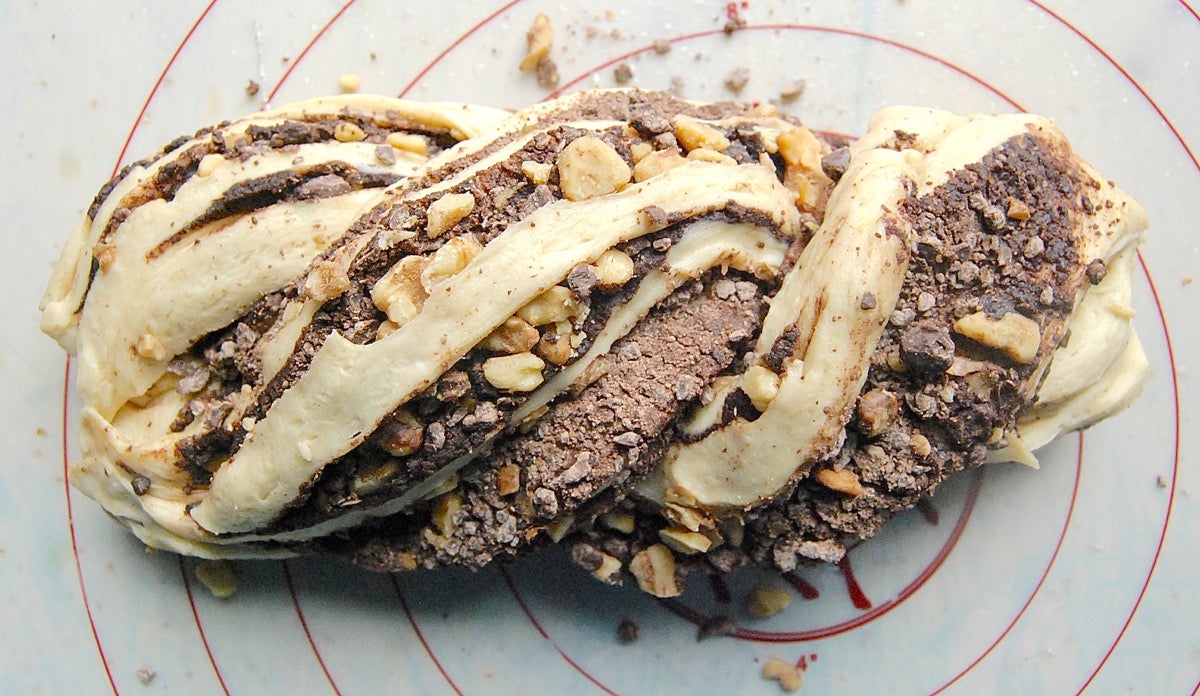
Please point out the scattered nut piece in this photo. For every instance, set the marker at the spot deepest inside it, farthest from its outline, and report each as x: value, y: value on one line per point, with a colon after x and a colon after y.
x: 218, y: 576
x: 761, y: 384
x: 349, y: 82
x: 105, y: 253
x: 1015, y: 335
x: 452, y: 257
x: 346, y: 132
x: 553, y: 305
x: 589, y: 167
x: 1017, y: 210
x: 800, y: 148
x: 508, y: 479
x: 146, y: 674
x: 209, y: 163
x: 326, y: 281
x: 684, y: 541
x: 877, y: 409
x: 703, y: 154
x: 539, y: 38
x: 400, y: 435
x: 561, y: 527
x: 609, y: 570
x: 252, y: 88
x: 693, y: 134
x: 538, y: 173
x: 368, y: 480
x: 614, y: 268
x: 792, y: 92
x: 447, y: 211
x: 623, y: 74
x: 784, y: 672
x: 767, y: 600
x: 546, y: 73
x: 521, y: 372
x: 149, y: 347
x: 719, y: 625
x: 623, y: 522
x: 920, y: 445
x: 409, y: 142
x: 640, y: 149
x: 840, y: 480
x: 555, y: 344
x: 399, y: 293
x: 657, y: 162
x: 445, y: 509
x: 736, y: 80
x: 654, y: 568
x: 515, y: 335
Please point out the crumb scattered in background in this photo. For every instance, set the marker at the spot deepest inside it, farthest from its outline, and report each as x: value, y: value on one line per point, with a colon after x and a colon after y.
x: 145, y: 674
x: 539, y: 39
x: 372, y: 57
x: 251, y: 88
x: 1161, y: 481
x: 623, y: 74
x: 349, y: 82
x: 547, y: 73
x: 662, y: 47
x: 792, y: 92
x: 676, y: 88
x: 42, y: 432
x: 628, y: 630
x: 1187, y: 282
x: 218, y: 576
x: 736, y: 80
x: 716, y: 626
x: 784, y: 672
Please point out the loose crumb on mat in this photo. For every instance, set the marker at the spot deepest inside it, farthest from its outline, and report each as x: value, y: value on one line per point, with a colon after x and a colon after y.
x: 218, y: 576
x: 783, y: 672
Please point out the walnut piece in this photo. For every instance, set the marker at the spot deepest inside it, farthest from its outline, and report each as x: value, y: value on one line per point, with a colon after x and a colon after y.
x: 515, y: 335
x: 1015, y: 335
x: 452, y: 257
x: 684, y: 541
x: 654, y: 569
x: 539, y: 38
x: 784, y: 672
x: 400, y: 293
x: 840, y: 480
x: 326, y: 281
x: 693, y: 134
x: 877, y: 409
x: 447, y: 211
x: 589, y: 167
x: 656, y: 163
x: 554, y: 305
x: 520, y: 372
x: 614, y: 268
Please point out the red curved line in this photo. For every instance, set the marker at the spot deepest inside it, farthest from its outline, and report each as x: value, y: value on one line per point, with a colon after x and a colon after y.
x: 1192, y: 10
x: 412, y: 621
x: 158, y: 83
x: 312, y: 42
x: 1196, y: 689
x: 455, y: 44
x: 87, y: 605
x: 1166, y: 333
x: 1153, y: 104
x: 1062, y: 535
x: 803, y: 27
x: 512, y: 587
x: 212, y: 660
x: 287, y: 576
x: 1174, y: 481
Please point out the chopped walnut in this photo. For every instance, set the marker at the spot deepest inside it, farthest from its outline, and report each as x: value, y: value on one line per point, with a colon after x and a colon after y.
x: 589, y: 167
x: 784, y: 672
x: 554, y: 305
x: 520, y: 372
x: 654, y: 569
x: 877, y: 409
x: 447, y: 211
x: 452, y: 257
x: 684, y: 541
x: 508, y: 479
x: 1015, y: 335
x: 399, y: 293
x: 840, y: 480
x: 613, y: 269
x: 693, y: 134
x: 515, y: 335
x: 539, y: 38
x: 326, y: 281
